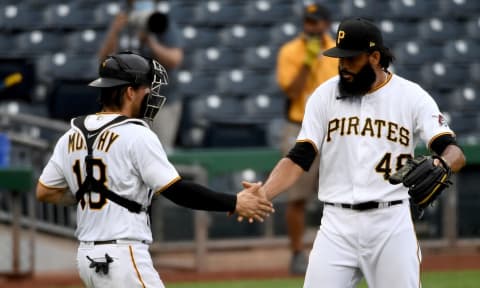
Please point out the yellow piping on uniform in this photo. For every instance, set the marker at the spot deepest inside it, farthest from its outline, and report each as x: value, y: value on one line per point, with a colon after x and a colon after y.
x: 135, y: 266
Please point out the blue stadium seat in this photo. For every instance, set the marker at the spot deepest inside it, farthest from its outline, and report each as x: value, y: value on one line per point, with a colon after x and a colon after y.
x: 214, y: 107
x: 412, y: 9
x: 86, y: 41
x: 260, y: 57
x: 461, y: 9
x: 473, y: 28
x: 264, y: 107
x: 214, y: 12
x: 38, y: 42
x: 417, y: 52
x: 463, y: 123
x: 474, y: 72
x: 438, y: 30
x: 70, y: 99
x: 6, y: 44
x: 195, y: 82
x: 365, y: 8
x: 396, y: 31
x: 462, y: 51
x: 239, y: 82
x: 240, y: 36
x: 443, y: 75
x: 199, y: 37
x: 20, y: 17
x: 262, y: 12
x: 410, y: 72
x: 216, y: 58
x: 466, y: 98
x: 69, y: 66
x: 283, y: 32
x: 184, y: 13
x: 104, y: 13
x: 235, y: 134
x: 69, y: 16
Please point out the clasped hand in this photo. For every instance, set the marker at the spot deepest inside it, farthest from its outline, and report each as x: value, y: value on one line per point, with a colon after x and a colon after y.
x: 252, y: 203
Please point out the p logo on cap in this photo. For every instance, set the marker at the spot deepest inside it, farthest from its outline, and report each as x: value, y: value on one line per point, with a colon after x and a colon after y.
x: 341, y: 35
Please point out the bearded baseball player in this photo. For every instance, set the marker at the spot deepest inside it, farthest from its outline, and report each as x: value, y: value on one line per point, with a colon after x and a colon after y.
x: 111, y: 165
x: 365, y: 124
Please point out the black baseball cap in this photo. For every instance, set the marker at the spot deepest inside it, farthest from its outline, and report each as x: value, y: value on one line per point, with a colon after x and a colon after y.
x: 316, y: 12
x: 355, y: 36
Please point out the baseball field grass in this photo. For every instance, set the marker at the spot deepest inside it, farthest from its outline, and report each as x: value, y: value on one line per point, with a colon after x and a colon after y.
x: 447, y: 279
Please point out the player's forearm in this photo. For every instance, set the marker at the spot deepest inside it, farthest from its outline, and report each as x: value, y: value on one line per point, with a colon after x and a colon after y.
x: 284, y: 175
x: 454, y: 157
x: 55, y: 196
x: 167, y: 56
x: 109, y: 45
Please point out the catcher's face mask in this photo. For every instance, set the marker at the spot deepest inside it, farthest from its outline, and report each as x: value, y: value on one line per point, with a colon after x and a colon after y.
x: 154, y: 101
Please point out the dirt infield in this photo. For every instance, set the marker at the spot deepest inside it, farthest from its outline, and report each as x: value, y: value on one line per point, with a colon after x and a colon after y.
x: 430, y: 263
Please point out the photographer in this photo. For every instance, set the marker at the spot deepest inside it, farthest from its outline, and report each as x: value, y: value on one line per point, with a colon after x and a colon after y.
x: 154, y: 35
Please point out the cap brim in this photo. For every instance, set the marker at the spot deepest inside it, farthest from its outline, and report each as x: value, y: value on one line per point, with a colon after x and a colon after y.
x: 336, y: 52
x: 103, y: 82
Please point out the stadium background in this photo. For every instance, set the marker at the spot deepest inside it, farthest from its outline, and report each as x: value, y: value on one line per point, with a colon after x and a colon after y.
x: 233, y: 111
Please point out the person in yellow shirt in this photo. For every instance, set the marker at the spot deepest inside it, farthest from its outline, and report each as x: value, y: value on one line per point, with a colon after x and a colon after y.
x: 300, y: 69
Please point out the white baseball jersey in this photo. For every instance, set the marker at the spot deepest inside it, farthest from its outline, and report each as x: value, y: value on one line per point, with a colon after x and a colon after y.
x: 134, y: 163
x: 364, y: 140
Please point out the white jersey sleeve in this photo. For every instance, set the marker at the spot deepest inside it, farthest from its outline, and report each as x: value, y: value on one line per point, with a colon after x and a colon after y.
x: 52, y: 175
x: 429, y: 121
x: 152, y: 163
x: 313, y: 126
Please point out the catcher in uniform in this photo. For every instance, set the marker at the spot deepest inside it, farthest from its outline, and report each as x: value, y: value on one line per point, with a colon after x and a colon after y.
x: 112, y: 164
x: 365, y: 124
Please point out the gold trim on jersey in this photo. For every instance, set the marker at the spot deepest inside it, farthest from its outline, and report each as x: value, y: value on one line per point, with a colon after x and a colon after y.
x: 135, y: 266
x: 167, y: 185
x: 309, y: 141
x: 51, y: 187
x: 389, y: 76
x: 439, y: 135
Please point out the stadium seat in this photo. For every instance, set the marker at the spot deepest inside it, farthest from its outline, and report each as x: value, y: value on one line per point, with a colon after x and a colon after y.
x: 265, y: 12
x: 437, y: 30
x: 195, y: 82
x: 199, y: 37
x: 6, y: 44
x: 417, y: 52
x: 473, y: 28
x: 214, y: 107
x: 461, y: 9
x: 443, y: 75
x: 396, y: 31
x: 69, y: 16
x: 410, y: 72
x: 260, y: 57
x: 463, y: 123
x: 412, y: 9
x: 214, y: 12
x: 466, y: 98
x: 214, y: 58
x: 264, y: 107
x: 462, y: 51
x: 240, y: 36
x: 283, y: 32
x: 365, y: 8
x: 104, y: 13
x: 239, y: 82
x: 474, y: 72
x: 70, y: 99
x: 235, y: 134
x: 20, y: 17
x: 85, y: 41
x: 184, y: 13
x: 38, y: 42
x: 64, y: 66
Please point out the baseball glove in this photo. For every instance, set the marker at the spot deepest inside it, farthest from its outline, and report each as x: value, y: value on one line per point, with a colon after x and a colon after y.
x: 424, y: 180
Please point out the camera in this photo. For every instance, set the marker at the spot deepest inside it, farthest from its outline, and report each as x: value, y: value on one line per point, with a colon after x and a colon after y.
x: 143, y: 16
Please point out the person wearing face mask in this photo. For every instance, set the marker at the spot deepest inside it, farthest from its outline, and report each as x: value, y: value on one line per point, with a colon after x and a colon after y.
x: 110, y: 165
x: 300, y: 69
x: 364, y: 125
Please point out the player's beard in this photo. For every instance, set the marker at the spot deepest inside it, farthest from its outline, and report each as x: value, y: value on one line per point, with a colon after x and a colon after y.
x: 359, y: 84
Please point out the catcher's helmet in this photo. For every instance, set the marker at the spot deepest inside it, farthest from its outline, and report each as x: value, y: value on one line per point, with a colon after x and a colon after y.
x: 128, y: 68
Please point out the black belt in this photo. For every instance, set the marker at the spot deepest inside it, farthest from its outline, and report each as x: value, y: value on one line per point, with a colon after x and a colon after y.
x: 107, y: 242
x: 365, y: 205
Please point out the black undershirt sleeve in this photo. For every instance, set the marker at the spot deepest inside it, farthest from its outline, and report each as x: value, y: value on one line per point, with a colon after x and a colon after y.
x: 191, y: 195
x: 303, y: 154
x: 439, y: 144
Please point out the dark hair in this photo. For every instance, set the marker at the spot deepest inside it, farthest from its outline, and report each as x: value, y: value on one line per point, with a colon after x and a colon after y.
x: 386, y: 57
x: 112, y: 97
